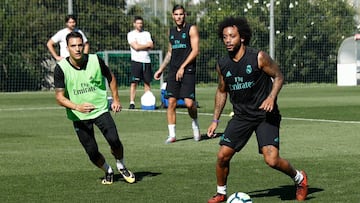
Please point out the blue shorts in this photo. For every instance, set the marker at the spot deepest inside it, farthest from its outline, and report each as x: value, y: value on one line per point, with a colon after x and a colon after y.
x: 239, y: 130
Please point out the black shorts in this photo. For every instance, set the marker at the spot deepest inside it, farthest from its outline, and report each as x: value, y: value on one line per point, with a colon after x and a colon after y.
x: 239, y: 130
x: 141, y: 71
x: 180, y: 89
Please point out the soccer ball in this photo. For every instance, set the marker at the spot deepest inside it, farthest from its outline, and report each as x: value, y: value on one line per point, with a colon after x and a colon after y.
x: 239, y: 197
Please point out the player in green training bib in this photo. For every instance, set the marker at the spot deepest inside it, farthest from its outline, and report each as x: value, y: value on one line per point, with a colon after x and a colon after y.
x: 80, y: 86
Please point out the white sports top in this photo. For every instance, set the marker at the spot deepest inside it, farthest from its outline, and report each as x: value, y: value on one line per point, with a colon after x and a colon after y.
x: 143, y: 37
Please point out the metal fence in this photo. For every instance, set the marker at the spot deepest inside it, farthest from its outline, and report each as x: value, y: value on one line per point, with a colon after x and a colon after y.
x: 307, y: 35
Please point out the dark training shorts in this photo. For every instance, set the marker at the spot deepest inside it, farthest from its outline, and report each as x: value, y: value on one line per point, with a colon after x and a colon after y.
x: 239, y: 130
x: 181, y: 89
x: 141, y: 71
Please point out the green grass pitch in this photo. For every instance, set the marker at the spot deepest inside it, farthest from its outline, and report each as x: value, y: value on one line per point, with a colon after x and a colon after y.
x: 41, y: 159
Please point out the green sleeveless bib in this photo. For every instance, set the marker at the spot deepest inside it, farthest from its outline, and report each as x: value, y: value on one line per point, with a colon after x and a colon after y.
x: 85, y: 85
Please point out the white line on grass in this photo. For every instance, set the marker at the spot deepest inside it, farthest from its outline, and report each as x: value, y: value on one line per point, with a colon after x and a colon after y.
x: 296, y: 119
x: 321, y: 120
x: 180, y: 112
x: 31, y: 108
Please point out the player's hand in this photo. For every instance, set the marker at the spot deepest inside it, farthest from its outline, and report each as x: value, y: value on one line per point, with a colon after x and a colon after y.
x: 211, y: 130
x: 116, y: 106
x: 268, y: 104
x: 157, y: 75
x: 179, y: 74
x: 85, y: 107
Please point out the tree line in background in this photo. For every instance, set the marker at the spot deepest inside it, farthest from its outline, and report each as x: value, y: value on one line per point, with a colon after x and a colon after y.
x: 308, y: 34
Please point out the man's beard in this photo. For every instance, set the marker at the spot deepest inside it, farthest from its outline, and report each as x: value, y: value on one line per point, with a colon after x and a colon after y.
x: 234, y: 51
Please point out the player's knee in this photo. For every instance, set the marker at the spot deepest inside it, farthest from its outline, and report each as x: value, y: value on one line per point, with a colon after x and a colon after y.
x: 223, y: 159
x: 190, y: 106
x: 272, y: 162
x: 172, y: 103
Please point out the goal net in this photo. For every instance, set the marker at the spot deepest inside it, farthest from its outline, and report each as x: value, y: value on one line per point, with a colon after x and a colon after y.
x: 119, y: 62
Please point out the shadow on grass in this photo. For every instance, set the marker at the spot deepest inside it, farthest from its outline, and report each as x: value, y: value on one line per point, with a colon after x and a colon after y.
x: 285, y: 192
x: 138, y: 176
x: 204, y: 137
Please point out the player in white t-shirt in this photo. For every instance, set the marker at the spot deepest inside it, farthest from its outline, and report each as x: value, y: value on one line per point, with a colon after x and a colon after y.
x: 140, y: 43
x: 60, y: 37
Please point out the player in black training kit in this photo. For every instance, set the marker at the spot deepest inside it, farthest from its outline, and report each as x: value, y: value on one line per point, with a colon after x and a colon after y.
x: 252, y: 80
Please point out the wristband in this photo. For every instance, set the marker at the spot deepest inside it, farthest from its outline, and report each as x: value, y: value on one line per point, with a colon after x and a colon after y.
x: 215, y: 121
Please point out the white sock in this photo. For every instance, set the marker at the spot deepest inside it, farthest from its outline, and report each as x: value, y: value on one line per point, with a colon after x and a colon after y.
x: 298, y: 177
x: 221, y: 189
x: 195, y: 124
x: 132, y: 102
x: 120, y: 164
x: 196, y: 131
x: 171, y: 128
x: 107, y: 168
